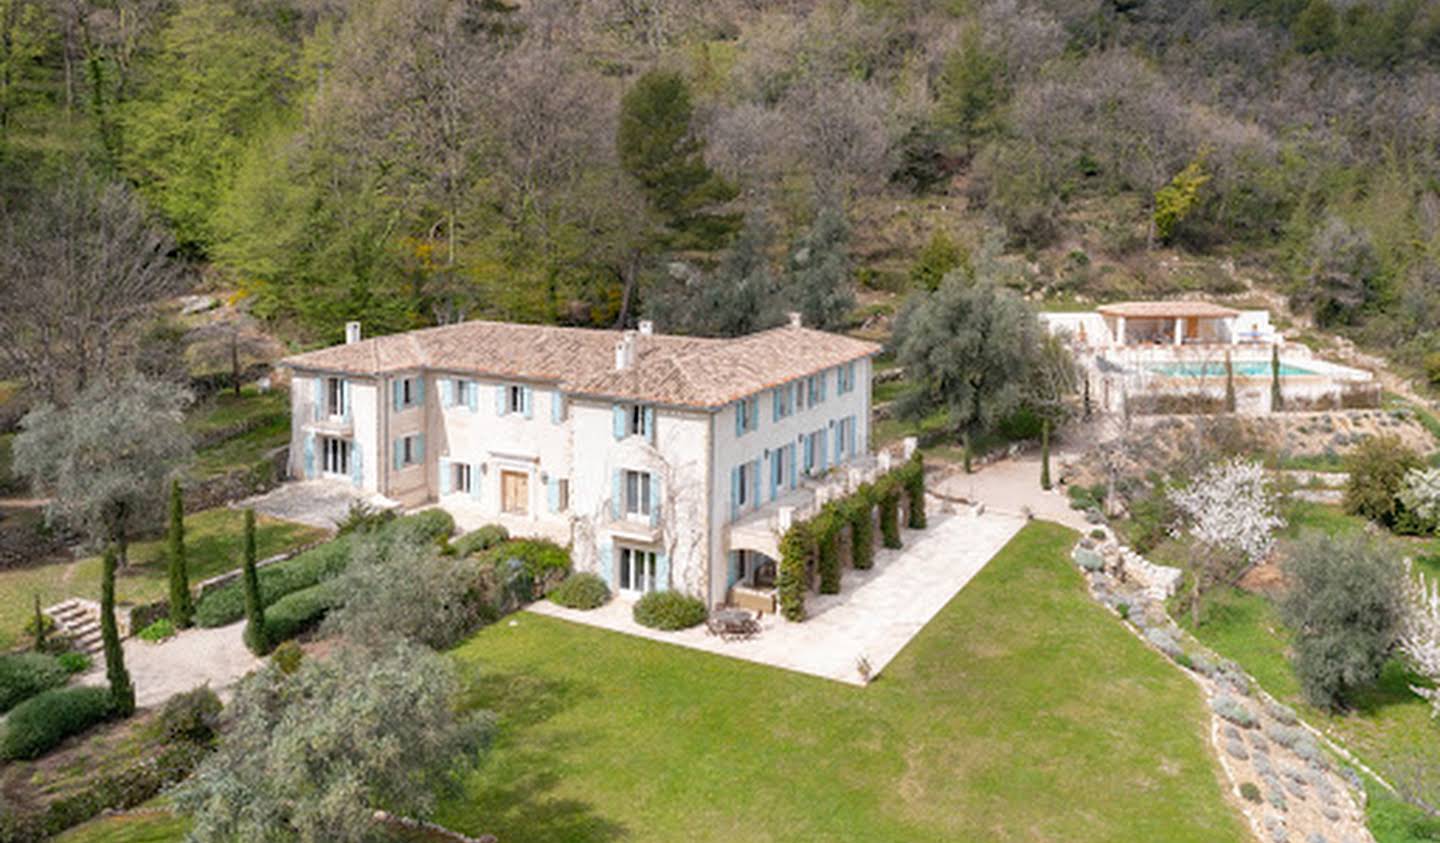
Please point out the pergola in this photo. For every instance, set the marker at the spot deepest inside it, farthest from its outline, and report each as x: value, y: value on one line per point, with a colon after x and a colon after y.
x: 1167, y: 322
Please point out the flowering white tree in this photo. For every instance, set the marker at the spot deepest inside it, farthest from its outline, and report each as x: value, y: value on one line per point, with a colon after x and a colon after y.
x: 1421, y: 494
x: 1420, y: 632
x: 1229, y: 508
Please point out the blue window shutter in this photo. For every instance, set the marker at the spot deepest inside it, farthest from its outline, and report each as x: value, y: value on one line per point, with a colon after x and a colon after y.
x: 617, y: 417
x: 777, y: 459
x: 734, y: 492
x: 395, y: 395
x: 447, y: 392
x: 500, y: 399
x: 607, y: 563
x: 319, y: 398
x: 739, y: 418
x: 753, y: 417
x: 552, y: 493
x: 655, y: 497
x: 662, y: 572
x: 791, y: 449
x: 650, y: 424
x: 357, y: 472
x: 527, y: 398
x: 420, y: 448
x: 824, y: 376
x: 420, y: 390
x: 309, y: 455
x: 775, y: 404
x: 823, y: 442
x: 617, y: 490
x: 444, y: 476
x: 850, y: 433
x: 557, y: 407
x: 839, y: 443
x: 345, y: 393
x: 397, y: 449
x: 755, y: 482
x: 475, y: 481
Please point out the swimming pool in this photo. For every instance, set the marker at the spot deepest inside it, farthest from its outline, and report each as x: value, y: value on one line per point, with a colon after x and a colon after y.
x: 1243, y: 369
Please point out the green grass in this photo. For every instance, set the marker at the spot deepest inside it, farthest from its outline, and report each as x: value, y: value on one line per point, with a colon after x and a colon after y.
x: 130, y: 828
x: 212, y: 545
x: 269, y: 412
x: 993, y: 724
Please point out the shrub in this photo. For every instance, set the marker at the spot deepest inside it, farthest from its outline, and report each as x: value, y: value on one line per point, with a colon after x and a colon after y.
x: 157, y: 631
x: 797, y: 548
x: 544, y: 562
x: 887, y: 495
x: 73, y: 661
x: 1123, y: 609
x: 23, y: 675
x: 669, y: 610
x: 1097, y: 534
x: 431, y: 525
x: 1163, y: 640
x: 581, y: 591
x: 288, y: 656
x: 859, y: 511
x: 1377, y: 468
x: 299, y: 611
x: 40, y: 723
x: 361, y: 517
x: 1251, y: 792
x: 1235, y: 712
x: 226, y: 604
x: 911, y: 477
x: 480, y: 540
x: 192, y: 716
x: 825, y: 527
x: 394, y: 592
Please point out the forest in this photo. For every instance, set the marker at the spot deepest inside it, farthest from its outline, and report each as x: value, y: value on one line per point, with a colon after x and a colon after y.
x: 712, y: 164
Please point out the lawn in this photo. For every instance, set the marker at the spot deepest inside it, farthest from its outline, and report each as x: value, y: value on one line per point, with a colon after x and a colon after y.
x: 260, y: 421
x: 1022, y: 712
x: 212, y: 547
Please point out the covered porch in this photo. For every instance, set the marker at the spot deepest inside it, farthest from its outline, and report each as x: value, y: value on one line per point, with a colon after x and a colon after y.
x: 1179, y: 323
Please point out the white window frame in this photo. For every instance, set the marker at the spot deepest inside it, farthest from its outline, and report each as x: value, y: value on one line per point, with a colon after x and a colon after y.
x: 408, y: 393
x: 514, y: 398
x: 626, y: 558
x: 335, y: 449
x: 635, y: 420
x: 463, y: 389
x: 407, y: 451
x: 637, y: 494
x: 462, y: 478
x: 334, y: 397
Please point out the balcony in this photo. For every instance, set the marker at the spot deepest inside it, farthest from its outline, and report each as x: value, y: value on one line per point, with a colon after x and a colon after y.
x: 342, y: 426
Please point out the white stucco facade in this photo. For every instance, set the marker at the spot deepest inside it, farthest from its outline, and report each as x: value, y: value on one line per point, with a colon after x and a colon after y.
x: 643, y: 492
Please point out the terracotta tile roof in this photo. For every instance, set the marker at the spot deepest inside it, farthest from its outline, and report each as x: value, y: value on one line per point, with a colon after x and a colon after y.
x: 667, y: 369
x: 1167, y: 310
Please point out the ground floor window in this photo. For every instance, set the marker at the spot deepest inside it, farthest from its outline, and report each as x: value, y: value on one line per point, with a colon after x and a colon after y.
x: 637, y: 569
x: 335, y: 455
x: 462, y: 477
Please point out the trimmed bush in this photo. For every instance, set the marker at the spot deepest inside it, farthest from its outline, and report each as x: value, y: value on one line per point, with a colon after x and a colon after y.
x: 911, y: 477
x: 193, y: 716
x: 797, y: 548
x: 361, y: 517
x: 39, y: 724
x: 73, y: 661
x: 23, y: 675
x: 860, y: 513
x: 157, y: 631
x: 581, y: 591
x: 299, y: 612
x: 1229, y: 709
x: 480, y: 540
x: 1251, y: 792
x: 226, y: 604
x: 544, y: 562
x: 432, y: 525
x: 825, y: 527
x: 887, y: 496
x: 669, y: 610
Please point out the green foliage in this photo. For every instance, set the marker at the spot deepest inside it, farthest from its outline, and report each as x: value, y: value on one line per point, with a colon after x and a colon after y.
x: 911, y: 477
x: 256, y: 629
x: 192, y: 716
x: 1277, y: 395
x: 1230, y: 384
x: 1250, y: 792
x: 39, y: 626
x: 122, y: 691
x: 859, y: 513
x: 393, y: 590
x: 39, y: 724
x: 1344, y: 603
x: 226, y: 604
x: 157, y: 631
x: 23, y: 675
x: 287, y: 656
x: 479, y: 540
x: 296, y: 613
x: 659, y: 148
x: 582, y: 590
x: 361, y: 517
x: 1045, y: 456
x: 1377, y: 468
x: 741, y: 296
x: 73, y: 661
x: 378, y: 727
x: 819, y: 281
x: 940, y: 256
x: 970, y: 91
x: 825, y: 532
x: 669, y: 610
x: 887, y: 497
x: 1315, y: 29
x: 1177, y: 199
x: 797, y: 552
x: 544, y: 561
x: 181, y: 608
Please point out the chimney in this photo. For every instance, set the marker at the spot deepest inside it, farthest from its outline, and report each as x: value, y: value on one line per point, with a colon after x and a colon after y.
x: 352, y: 333
x: 625, y: 351
x: 646, y: 327
x: 794, y: 318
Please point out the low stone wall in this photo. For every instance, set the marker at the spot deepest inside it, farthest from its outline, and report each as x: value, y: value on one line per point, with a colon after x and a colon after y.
x: 206, y: 586
x: 224, y: 489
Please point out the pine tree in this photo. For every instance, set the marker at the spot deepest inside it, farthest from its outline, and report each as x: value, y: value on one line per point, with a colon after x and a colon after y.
x: 1045, y: 455
x: 181, y: 609
x: 255, y: 637
x: 122, y: 692
x: 1277, y: 399
x: 1229, y: 384
x: 819, y: 271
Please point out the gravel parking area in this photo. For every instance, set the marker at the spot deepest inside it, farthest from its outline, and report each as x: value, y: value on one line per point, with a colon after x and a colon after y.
x: 318, y: 503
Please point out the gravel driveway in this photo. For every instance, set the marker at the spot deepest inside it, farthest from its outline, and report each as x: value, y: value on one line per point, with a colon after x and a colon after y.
x: 318, y: 503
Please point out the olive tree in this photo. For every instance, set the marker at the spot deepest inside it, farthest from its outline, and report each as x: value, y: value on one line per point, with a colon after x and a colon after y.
x: 399, y: 591
x: 312, y: 755
x: 107, y: 459
x: 1344, y: 605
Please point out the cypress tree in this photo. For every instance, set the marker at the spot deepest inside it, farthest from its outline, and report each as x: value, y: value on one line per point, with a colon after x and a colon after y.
x: 1045, y: 455
x: 1087, y: 396
x: 39, y: 626
x: 965, y: 448
x: 1277, y: 400
x: 181, y: 609
x: 255, y: 637
x: 1229, y: 384
x: 122, y: 692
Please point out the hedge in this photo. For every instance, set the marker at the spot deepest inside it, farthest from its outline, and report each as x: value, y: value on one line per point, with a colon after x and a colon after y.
x: 668, y: 610
x: 40, y: 723
x: 797, y: 548
x: 23, y: 675
x: 887, y: 496
x: 480, y: 540
x: 581, y: 591
x: 226, y: 604
x: 911, y: 477
x: 299, y: 611
x: 544, y: 562
x: 825, y: 527
x: 859, y: 511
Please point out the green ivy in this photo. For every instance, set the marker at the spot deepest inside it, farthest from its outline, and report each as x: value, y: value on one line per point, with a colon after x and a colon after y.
x: 911, y: 477
x: 860, y: 513
x: 825, y: 531
x: 796, y: 550
x: 887, y: 496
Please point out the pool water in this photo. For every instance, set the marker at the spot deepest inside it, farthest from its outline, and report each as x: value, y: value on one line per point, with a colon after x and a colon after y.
x: 1249, y: 369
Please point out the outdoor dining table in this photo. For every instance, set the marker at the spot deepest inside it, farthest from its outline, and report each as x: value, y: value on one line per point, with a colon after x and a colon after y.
x: 733, y: 623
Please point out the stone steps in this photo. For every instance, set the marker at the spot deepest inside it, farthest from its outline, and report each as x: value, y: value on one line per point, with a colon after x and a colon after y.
x: 80, y: 620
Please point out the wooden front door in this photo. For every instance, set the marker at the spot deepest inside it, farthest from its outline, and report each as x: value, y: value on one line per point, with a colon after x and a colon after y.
x: 514, y: 492
x: 1192, y: 328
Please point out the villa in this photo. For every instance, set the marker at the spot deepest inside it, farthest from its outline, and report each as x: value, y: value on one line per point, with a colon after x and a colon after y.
x: 666, y: 462
x: 1160, y: 356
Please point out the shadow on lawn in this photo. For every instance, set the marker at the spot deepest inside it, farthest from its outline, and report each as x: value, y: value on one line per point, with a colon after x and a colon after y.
x: 518, y: 804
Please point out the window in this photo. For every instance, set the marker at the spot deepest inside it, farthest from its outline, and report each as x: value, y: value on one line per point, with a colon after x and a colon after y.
x: 461, y: 477
x: 514, y: 399
x: 747, y: 415
x: 799, y: 387
x: 779, y: 471
x: 815, y: 452
x: 562, y: 495
x: 409, y: 450
x: 780, y: 397
x: 408, y: 392
x: 845, y: 379
x: 335, y: 396
x: 335, y: 455
x: 844, y: 438
x: 637, y: 569
x: 637, y: 494
x: 745, y: 486
x: 815, y: 389
x: 464, y: 392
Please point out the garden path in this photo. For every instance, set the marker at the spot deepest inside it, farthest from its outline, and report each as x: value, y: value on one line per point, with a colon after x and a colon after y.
x: 216, y: 657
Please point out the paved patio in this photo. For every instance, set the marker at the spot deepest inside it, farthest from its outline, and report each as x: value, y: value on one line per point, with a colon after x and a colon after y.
x: 216, y: 657
x: 317, y: 503
x: 875, y: 615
